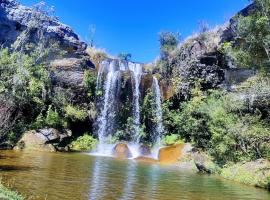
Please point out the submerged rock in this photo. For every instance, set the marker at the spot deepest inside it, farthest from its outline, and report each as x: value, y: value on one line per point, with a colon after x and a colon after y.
x: 121, y: 150
x: 43, y: 140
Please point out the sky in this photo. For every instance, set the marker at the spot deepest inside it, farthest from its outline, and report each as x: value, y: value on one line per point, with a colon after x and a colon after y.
x: 132, y: 26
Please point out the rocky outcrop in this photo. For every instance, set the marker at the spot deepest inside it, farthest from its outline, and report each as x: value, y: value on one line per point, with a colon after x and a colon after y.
x: 50, y: 140
x: 69, y: 72
x: 15, y: 18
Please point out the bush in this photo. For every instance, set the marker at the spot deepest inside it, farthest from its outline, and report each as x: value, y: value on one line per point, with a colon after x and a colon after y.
x: 172, y: 139
x: 84, y: 143
x: 75, y: 113
x: 90, y: 81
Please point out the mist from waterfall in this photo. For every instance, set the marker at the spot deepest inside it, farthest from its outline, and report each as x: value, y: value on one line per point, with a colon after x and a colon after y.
x: 158, y: 129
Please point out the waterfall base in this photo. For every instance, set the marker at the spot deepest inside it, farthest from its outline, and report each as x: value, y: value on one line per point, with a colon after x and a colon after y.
x: 126, y: 150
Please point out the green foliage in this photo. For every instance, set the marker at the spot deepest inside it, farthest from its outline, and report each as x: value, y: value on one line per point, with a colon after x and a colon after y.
x: 172, y: 139
x: 223, y: 124
x: 84, y: 143
x: 252, y: 49
x: 53, y: 118
x: 168, y: 42
x: 89, y: 82
x: 75, y: 113
x: 124, y: 56
x: 5, y: 193
x: 247, y: 175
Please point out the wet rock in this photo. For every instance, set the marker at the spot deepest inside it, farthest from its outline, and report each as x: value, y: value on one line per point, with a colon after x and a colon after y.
x: 170, y: 154
x: 202, y: 168
x: 145, y: 150
x: 50, y: 140
x: 146, y: 160
x: 195, y: 160
x: 121, y: 150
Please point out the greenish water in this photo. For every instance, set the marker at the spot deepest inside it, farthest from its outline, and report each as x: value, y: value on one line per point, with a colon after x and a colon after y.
x: 80, y: 176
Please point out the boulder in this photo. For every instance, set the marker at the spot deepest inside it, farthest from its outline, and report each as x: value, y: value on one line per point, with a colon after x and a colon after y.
x: 145, y: 150
x: 170, y: 154
x: 50, y: 140
x: 121, y: 150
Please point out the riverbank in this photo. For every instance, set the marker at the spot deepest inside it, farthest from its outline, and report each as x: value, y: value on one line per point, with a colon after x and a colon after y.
x: 6, y: 194
x: 254, y: 173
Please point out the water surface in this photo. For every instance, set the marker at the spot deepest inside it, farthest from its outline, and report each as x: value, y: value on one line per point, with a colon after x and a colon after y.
x: 76, y: 176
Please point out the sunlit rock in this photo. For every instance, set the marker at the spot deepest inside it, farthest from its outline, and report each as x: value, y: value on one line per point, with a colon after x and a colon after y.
x: 49, y: 140
x: 170, y: 154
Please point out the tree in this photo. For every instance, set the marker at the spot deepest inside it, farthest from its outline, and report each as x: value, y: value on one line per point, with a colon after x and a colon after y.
x: 124, y: 56
x: 253, y: 31
x: 168, y: 42
x: 91, y: 35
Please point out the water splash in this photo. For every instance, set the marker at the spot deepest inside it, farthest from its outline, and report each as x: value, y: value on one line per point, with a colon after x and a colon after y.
x: 158, y: 112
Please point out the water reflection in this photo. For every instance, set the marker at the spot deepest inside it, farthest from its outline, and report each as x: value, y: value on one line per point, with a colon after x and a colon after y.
x: 83, y: 177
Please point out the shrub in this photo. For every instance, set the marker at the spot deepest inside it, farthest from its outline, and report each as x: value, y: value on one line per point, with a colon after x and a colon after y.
x: 75, y: 113
x: 96, y: 55
x: 84, y: 143
x: 89, y: 81
x: 53, y: 119
x: 124, y: 56
x: 172, y: 139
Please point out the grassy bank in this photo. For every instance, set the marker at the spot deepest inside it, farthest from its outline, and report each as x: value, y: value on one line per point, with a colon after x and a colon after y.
x: 255, y: 173
x: 7, y: 194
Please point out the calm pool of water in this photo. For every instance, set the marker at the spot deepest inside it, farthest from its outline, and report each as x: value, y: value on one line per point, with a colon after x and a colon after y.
x: 74, y: 176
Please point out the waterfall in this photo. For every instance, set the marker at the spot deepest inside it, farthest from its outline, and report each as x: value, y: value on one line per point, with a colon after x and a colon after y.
x: 105, y: 120
x: 109, y: 76
x: 136, y: 70
x: 158, y: 111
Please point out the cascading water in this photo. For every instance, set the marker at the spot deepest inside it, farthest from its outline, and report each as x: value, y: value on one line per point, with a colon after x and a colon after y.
x: 158, y: 112
x: 136, y: 69
x: 105, y: 121
x: 108, y: 112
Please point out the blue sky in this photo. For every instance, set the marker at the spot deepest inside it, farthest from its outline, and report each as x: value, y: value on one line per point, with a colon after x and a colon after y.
x: 132, y: 26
